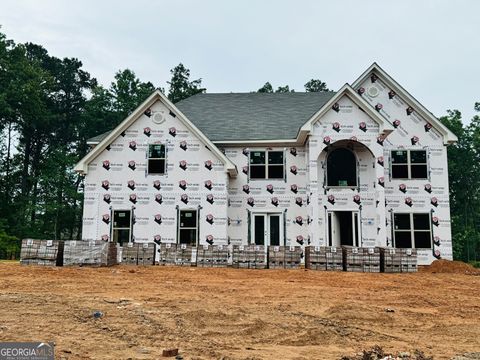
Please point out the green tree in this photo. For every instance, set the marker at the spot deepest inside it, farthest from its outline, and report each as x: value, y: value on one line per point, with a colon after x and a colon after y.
x: 284, y: 89
x: 316, y: 85
x: 464, y: 181
x: 267, y: 88
x: 180, y: 85
x: 128, y: 92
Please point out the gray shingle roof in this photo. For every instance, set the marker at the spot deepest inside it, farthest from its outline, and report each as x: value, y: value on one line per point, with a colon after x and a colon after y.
x: 98, y: 138
x: 250, y: 116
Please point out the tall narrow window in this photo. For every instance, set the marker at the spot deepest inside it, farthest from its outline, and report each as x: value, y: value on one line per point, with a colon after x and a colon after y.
x: 156, y: 159
x: 341, y: 168
x: 188, y: 227
x: 409, y: 164
x: 412, y: 230
x: 122, y: 226
x: 266, y: 165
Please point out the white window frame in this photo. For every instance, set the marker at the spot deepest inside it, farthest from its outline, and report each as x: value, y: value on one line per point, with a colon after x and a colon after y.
x: 195, y: 210
x: 267, y: 216
x: 164, y: 159
x: 412, y: 229
x: 266, y: 165
x: 408, y: 163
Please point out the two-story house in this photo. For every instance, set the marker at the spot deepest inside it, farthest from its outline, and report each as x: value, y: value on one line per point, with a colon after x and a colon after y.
x: 365, y: 166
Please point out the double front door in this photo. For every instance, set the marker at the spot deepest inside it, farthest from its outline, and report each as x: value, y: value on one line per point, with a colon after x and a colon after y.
x: 267, y: 229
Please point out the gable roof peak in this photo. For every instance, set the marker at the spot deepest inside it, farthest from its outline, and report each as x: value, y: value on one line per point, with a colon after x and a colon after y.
x: 82, y: 166
x: 448, y: 136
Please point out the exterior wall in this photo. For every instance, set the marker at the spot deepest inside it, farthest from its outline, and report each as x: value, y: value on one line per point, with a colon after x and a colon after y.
x: 368, y: 199
x: 414, y: 132
x: 290, y: 192
x: 302, y: 197
x: 133, y: 146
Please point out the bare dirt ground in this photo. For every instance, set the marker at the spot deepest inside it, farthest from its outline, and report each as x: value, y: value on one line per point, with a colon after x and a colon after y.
x: 237, y: 313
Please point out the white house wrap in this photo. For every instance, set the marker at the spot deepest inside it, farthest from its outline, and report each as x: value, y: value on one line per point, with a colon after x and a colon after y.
x: 365, y: 166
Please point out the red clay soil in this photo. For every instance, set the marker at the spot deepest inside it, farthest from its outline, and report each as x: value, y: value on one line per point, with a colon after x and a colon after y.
x: 237, y: 313
x: 450, y: 267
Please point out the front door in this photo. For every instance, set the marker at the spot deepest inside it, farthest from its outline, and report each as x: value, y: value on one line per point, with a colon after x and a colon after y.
x: 267, y: 229
x: 343, y: 228
x: 122, y: 226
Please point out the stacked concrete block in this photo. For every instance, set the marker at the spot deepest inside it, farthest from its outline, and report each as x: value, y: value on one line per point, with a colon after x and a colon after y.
x: 212, y: 256
x: 93, y: 253
x: 393, y: 260
x: 130, y: 254
x: 284, y: 257
x: 390, y: 260
x: 409, y: 260
x: 293, y: 257
x: 371, y: 259
x: 352, y: 259
x: 259, y: 255
x: 241, y: 256
x: 315, y: 258
x: 334, y: 258
x: 167, y: 254
x: 146, y: 254
x: 186, y: 255
x: 324, y: 258
x: 204, y: 256
x: 41, y: 252
x: 249, y: 256
x: 276, y: 257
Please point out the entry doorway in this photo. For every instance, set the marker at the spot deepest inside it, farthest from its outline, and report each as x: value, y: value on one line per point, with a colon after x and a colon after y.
x: 122, y: 226
x: 267, y: 229
x: 188, y: 227
x: 343, y: 228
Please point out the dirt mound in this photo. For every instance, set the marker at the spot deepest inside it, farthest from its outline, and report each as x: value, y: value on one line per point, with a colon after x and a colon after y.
x: 451, y: 267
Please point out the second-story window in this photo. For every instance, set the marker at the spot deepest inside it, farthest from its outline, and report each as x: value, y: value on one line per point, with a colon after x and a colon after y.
x: 409, y: 164
x: 156, y: 159
x: 266, y: 165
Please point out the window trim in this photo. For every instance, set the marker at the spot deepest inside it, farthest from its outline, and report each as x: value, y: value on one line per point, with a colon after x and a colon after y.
x: 409, y: 164
x: 357, y: 173
x: 266, y: 165
x: 197, y: 227
x: 266, y: 214
x: 164, y: 159
x: 412, y: 229
x: 130, y: 228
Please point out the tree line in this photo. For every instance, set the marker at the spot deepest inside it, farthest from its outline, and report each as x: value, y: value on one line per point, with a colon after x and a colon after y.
x: 49, y: 107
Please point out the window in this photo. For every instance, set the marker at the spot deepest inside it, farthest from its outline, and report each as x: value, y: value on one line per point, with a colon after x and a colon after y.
x: 156, y: 159
x: 412, y: 230
x: 122, y: 226
x: 188, y: 227
x: 409, y: 164
x: 266, y: 165
x: 341, y: 168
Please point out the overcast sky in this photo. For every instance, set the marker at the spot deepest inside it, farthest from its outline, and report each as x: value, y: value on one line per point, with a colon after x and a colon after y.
x: 431, y: 47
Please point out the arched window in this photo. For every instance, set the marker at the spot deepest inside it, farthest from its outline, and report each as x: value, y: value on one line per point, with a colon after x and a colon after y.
x: 341, y: 168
